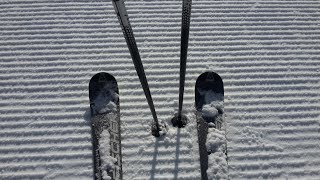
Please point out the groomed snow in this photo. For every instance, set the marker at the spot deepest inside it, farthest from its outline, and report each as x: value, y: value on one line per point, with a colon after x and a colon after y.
x: 267, y: 53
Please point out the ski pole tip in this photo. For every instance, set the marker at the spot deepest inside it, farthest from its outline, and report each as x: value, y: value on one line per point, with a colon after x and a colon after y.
x: 179, y: 121
x: 159, y: 130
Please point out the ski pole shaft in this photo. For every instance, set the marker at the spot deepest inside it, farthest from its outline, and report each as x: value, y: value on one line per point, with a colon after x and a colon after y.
x: 185, y: 25
x: 131, y: 42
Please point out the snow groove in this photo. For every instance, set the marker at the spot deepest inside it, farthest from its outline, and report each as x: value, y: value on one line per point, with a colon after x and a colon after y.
x: 267, y: 53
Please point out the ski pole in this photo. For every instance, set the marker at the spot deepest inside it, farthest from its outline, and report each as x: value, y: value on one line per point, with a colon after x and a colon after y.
x: 132, y: 45
x: 180, y: 120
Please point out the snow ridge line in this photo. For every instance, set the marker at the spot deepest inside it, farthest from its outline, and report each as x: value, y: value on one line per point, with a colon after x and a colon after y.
x: 267, y: 53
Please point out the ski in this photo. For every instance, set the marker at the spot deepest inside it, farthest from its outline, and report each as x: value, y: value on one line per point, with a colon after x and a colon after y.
x: 179, y: 119
x: 209, y: 98
x: 105, y: 125
x: 123, y: 18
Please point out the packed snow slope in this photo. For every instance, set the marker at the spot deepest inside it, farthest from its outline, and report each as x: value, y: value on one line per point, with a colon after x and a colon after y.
x: 267, y: 52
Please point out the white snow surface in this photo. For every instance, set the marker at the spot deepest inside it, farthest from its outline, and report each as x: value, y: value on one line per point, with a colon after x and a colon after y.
x: 104, y: 108
x: 209, y: 111
x: 217, y: 160
x: 267, y: 53
x: 107, y: 161
x: 213, y: 103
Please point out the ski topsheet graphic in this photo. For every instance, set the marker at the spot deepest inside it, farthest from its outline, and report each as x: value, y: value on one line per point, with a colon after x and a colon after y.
x: 105, y: 122
x: 209, y: 97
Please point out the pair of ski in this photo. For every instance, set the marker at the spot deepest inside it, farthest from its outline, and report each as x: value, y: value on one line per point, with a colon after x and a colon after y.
x: 105, y: 108
x: 105, y: 121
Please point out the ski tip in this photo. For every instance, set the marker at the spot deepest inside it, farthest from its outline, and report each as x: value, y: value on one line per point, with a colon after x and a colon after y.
x: 210, y: 76
x: 100, y: 82
x: 210, y: 80
x: 102, y: 77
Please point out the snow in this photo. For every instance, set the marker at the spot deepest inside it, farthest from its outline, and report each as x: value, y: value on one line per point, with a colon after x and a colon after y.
x: 217, y: 160
x: 163, y: 128
x: 213, y: 104
x: 209, y: 111
x: 218, y: 167
x: 216, y: 142
x: 108, y: 96
x: 107, y: 161
x: 267, y: 53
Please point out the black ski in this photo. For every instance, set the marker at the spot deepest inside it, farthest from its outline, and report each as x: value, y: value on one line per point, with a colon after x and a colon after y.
x: 209, y: 98
x: 105, y: 122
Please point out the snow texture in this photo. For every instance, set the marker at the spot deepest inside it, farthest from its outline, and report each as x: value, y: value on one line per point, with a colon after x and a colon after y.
x: 110, y: 106
x: 216, y: 139
x: 217, y: 160
x: 267, y: 53
x: 107, y: 161
x: 163, y: 128
x: 213, y: 104
x: 209, y: 110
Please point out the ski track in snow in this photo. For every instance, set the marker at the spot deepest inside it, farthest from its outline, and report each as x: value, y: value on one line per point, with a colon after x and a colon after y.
x: 267, y: 53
